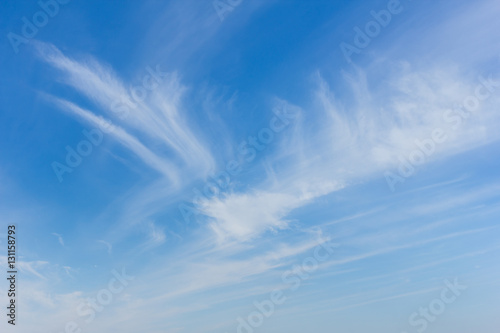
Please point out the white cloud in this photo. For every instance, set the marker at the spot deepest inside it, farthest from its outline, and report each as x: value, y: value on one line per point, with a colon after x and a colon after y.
x: 155, y: 235
x: 355, y: 142
x: 157, y: 117
x: 59, y: 238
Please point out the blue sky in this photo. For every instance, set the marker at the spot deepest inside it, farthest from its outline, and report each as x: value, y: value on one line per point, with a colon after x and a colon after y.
x: 339, y: 154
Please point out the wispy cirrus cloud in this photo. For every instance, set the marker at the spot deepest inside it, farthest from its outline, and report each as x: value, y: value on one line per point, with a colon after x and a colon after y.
x: 59, y: 238
x: 155, y: 120
x: 355, y: 139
